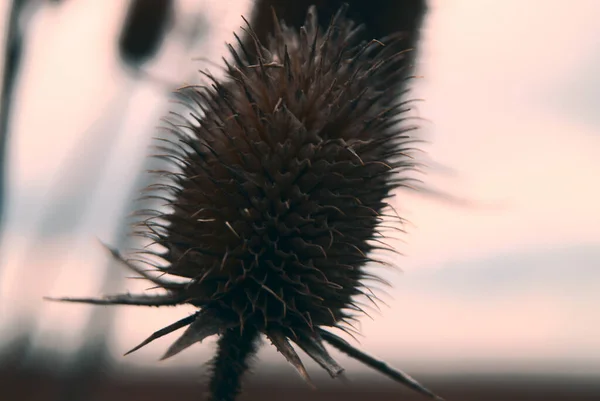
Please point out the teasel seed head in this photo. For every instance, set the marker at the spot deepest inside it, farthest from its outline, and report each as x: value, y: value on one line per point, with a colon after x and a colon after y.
x: 280, y: 176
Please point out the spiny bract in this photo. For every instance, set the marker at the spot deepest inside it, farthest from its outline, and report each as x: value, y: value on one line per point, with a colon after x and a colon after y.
x: 282, y: 172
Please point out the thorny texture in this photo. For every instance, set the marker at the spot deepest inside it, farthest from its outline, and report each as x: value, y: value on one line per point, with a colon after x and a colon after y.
x: 234, y: 350
x: 380, y: 17
x: 281, y: 178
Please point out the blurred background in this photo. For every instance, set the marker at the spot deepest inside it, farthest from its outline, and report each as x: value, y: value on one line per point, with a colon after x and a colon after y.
x: 499, y: 291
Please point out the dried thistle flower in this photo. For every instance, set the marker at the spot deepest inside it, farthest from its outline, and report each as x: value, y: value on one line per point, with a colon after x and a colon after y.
x: 278, y: 191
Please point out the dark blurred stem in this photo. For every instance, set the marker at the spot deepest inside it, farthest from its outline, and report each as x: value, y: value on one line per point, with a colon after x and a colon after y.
x: 381, y: 17
x: 234, y: 352
x: 12, y: 61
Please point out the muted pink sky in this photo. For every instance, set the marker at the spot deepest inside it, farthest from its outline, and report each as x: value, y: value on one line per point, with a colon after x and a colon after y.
x: 489, y: 68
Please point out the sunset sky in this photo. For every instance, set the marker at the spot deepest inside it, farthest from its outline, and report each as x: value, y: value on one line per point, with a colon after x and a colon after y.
x: 511, y: 94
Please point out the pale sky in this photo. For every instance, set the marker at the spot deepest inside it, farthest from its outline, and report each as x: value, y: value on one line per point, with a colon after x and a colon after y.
x: 512, y: 284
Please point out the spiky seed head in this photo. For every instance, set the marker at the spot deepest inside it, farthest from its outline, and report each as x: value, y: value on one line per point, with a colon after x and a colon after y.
x: 281, y: 175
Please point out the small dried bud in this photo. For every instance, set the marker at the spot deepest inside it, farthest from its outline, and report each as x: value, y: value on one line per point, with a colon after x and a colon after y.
x: 143, y: 30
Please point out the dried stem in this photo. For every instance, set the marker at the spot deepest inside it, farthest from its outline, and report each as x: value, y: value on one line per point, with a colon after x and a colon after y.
x: 234, y: 350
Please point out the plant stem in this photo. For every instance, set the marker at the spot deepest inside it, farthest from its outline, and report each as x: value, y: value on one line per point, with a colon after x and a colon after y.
x: 231, y: 362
